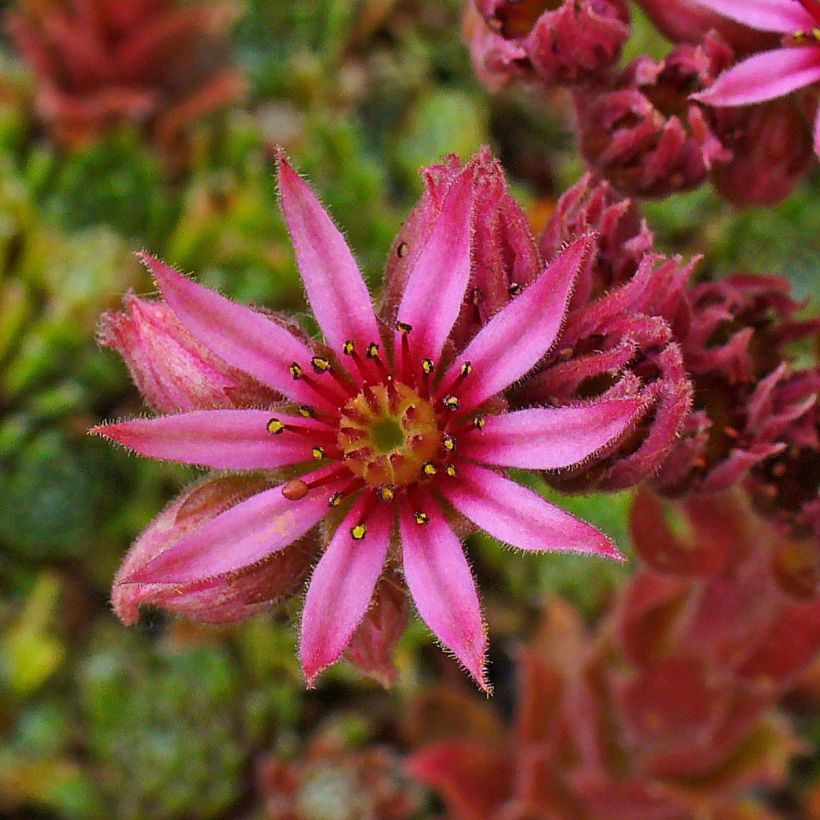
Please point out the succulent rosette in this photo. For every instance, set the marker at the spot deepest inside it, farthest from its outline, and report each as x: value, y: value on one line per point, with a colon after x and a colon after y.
x: 389, y: 435
x: 668, y: 710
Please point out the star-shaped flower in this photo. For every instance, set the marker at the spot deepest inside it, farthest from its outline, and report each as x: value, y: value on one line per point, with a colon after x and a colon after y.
x: 391, y: 436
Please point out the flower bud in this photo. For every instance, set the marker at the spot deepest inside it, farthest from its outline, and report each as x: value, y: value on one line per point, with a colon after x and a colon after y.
x: 556, y: 43
x: 644, y: 134
x: 505, y: 257
x: 173, y: 371
x: 749, y: 411
x: 592, y: 206
x: 373, y: 642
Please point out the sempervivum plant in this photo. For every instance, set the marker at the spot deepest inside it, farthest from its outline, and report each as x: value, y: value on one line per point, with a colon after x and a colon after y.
x: 100, y: 63
x: 388, y: 434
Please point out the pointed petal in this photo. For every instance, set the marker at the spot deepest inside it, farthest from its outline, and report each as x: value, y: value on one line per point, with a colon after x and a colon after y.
x: 520, y: 334
x: 222, y: 439
x: 224, y: 598
x: 244, y: 338
x: 338, y: 295
x: 342, y: 586
x: 435, y: 286
x: 520, y: 517
x: 552, y: 437
x: 239, y: 537
x: 442, y: 585
x: 764, y: 77
x: 784, y: 16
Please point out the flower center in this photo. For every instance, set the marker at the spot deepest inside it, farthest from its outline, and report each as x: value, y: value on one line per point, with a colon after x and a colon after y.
x: 388, y: 434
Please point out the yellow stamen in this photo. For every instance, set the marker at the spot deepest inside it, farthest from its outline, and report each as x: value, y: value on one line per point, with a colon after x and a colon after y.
x: 276, y: 427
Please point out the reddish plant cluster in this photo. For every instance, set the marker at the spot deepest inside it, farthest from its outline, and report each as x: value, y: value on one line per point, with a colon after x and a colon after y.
x: 669, y: 710
x: 99, y: 63
x: 657, y: 127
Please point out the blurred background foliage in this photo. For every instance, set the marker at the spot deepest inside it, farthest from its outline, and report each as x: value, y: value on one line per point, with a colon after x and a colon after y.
x: 164, y: 720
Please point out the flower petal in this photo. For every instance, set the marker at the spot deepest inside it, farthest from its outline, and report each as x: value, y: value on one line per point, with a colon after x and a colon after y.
x: 224, y: 598
x: 552, y: 437
x: 435, y: 286
x: 338, y: 295
x: 784, y: 16
x: 518, y: 516
x: 342, y: 586
x: 240, y: 536
x: 520, y: 334
x: 222, y: 439
x: 442, y: 585
x: 764, y: 77
x: 244, y: 338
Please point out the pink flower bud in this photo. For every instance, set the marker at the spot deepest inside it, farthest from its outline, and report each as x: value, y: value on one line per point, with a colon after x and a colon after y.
x: 172, y: 370
x: 592, y: 206
x: 644, y: 134
x: 222, y: 598
x: 558, y: 43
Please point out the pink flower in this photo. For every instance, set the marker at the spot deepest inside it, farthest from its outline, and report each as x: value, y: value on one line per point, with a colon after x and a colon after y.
x: 777, y: 72
x: 376, y: 427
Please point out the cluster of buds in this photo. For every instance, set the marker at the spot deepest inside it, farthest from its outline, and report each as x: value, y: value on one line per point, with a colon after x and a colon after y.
x: 626, y: 310
x: 100, y: 63
x: 655, y: 127
x: 556, y: 42
x: 670, y: 710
